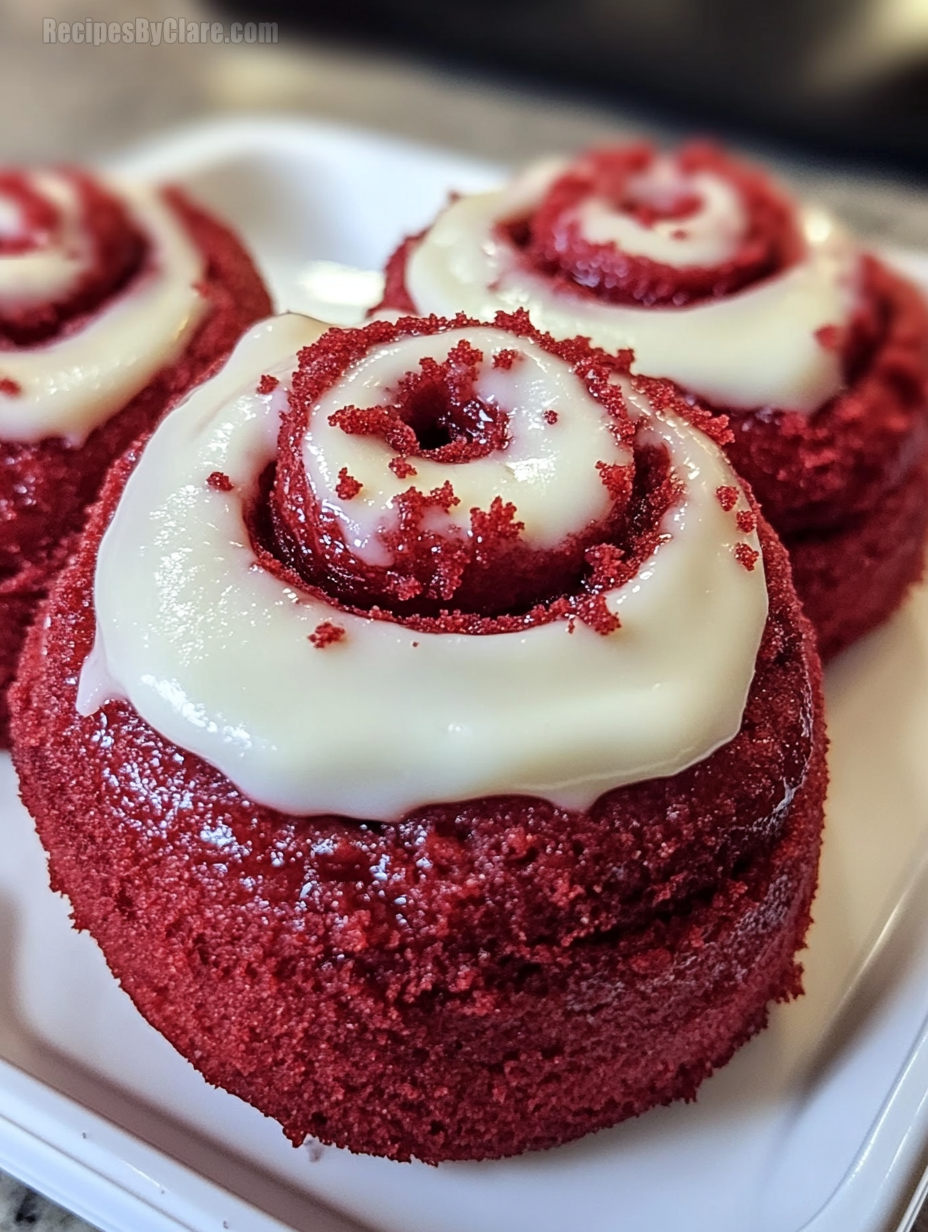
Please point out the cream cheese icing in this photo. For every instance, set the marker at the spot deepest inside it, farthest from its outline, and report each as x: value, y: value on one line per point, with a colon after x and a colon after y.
x: 548, y: 471
x: 215, y: 653
x: 708, y: 236
x: 49, y: 272
x: 69, y: 386
x: 756, y: 347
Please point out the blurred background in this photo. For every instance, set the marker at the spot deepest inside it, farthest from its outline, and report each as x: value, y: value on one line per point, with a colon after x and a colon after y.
x: 843, y: 75
x: 834, y: 92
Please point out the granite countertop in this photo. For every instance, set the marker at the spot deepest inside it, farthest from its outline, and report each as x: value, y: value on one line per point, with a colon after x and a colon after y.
x: 22, y: 1210
x: 77, y: 101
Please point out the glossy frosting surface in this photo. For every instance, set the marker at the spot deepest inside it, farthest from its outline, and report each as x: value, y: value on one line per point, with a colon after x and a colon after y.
x: 215, y: 652
x: 547, y: 470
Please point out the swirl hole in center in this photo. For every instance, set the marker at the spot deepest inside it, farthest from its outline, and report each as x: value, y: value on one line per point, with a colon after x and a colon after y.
x: 520, y: 591
x: 427, y: 549
x: 434, y: 413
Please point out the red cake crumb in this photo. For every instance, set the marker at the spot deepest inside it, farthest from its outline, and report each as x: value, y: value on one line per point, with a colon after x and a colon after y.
x: 406, y: 588
x: 491, y: 528
x: 666, y: 396
x: 746, y: 556
x: 395, y: 294
x: 609, y: 566
x: 326, y: 634
x: 267, y: 384
x: 219, y: 482
x: 727, y: 497
x: 382, y: 421
x: 595, y: 612
x: 347, y: 486
x: 47, y: 485
x: 10, y: 387
x: 506, y: 358
x: 830, y: 337
x: 402, y: 468
x: 551, y: 417
x: 616, y: 479
x: 746, y: 520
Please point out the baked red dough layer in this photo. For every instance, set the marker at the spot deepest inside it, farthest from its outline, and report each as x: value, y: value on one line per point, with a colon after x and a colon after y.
x: 46, y: 486
x: 469, y: 982
x: 825, y: 480
x: 846, y: 487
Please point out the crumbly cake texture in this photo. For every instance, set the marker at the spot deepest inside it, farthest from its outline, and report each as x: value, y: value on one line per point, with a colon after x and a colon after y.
x: 845, y: 487
x: 47, y: 485
x: 471, y: 981
x: 840, y: 486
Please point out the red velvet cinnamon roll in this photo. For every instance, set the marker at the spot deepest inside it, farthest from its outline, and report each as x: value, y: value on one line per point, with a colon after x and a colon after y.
x: 114, y: 299
x: 428, y: 731
x: 764, y: 310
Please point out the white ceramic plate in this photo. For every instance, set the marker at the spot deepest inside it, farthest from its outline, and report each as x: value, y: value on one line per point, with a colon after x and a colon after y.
x: 819, y: 1123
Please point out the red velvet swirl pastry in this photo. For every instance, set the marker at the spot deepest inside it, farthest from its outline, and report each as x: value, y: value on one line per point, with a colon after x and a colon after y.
x: 114, y: 299
x: 413, y: 870
x: 767, y: 311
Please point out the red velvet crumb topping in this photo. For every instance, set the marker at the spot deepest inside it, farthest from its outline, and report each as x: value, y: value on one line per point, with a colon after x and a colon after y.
x: 727, y: 497
x: 402, y: 468
x: 476, y: 573
x: 830, y: 337
x: 347, y: 486
x: 326, y: 634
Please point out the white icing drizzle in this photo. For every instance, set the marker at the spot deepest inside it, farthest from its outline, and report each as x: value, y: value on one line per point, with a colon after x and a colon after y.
x: 75, y: 382
x: 708, y: 236
x: 11, y: 218
x: 48, y: 272
x: 754, y: 348
x: 547, y: 471
x: 213, y: 651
